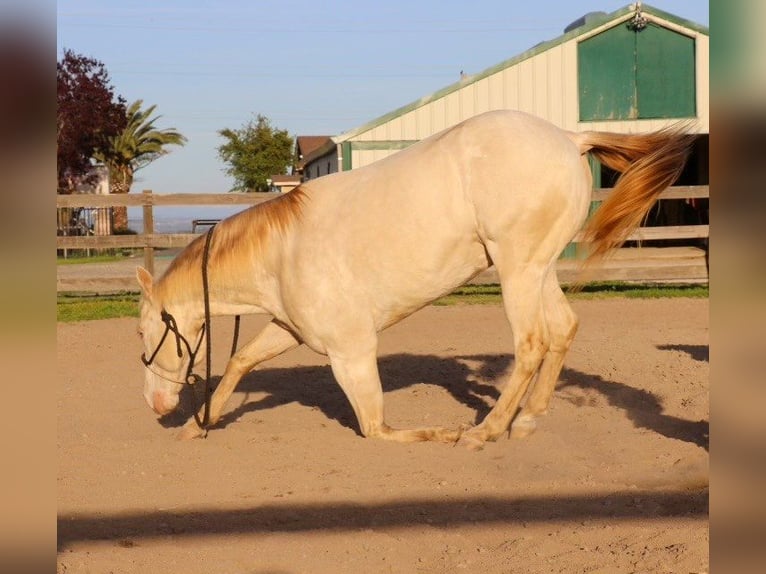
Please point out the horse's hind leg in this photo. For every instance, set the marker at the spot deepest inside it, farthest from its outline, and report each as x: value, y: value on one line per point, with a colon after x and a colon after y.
x: 562, y: 326
x: 270, y: 342
x: 522, y: 298
x: 357, y: 374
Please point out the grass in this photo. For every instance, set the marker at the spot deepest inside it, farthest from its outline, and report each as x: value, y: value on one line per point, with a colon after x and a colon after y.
x: 78, y: 260
x: 71, y: 308
x: 491, y: 295
x: 74, y: 307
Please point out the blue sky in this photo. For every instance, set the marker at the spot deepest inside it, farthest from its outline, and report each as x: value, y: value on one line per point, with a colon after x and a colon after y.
x: 312, y: 68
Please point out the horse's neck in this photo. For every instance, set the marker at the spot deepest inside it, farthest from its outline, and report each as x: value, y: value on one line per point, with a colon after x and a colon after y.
x: 231, y: 289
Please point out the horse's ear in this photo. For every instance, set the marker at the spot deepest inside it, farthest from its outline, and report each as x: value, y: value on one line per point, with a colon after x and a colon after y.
x: 144, y: 281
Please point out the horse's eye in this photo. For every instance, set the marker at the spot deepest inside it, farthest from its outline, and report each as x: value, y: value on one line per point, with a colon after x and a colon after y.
x: 140, y: 333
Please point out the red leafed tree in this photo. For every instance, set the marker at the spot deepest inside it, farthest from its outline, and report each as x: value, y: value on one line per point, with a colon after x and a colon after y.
x: 87, y: 113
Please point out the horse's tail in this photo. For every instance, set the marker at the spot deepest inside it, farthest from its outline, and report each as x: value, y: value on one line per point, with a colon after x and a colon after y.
x: 648, y: 164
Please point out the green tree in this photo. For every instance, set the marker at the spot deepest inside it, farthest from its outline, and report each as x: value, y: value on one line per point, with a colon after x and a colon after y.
x: 254, y: 153
x: 135, y: 147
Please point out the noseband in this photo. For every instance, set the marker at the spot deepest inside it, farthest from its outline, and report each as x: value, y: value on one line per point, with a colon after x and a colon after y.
x: 172, y: 327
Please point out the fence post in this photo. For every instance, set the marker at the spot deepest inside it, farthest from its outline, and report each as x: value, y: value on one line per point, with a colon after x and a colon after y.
x: 148, y: 229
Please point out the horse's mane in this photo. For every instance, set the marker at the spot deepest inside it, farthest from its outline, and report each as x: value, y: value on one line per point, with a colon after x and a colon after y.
x: 240, y: 236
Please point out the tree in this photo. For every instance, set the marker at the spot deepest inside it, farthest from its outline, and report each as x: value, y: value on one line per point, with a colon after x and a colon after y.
x: 254, y: 153
x: 87, y: 113
x: 136, y: 146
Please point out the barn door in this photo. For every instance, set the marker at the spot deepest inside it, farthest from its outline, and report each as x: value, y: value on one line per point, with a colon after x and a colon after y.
x: 628, y: 74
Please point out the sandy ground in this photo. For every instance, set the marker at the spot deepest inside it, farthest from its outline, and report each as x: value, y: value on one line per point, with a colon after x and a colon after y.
x: 614, y: 480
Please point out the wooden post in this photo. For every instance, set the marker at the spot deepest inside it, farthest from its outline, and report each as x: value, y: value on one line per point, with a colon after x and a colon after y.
x: 148, y: 229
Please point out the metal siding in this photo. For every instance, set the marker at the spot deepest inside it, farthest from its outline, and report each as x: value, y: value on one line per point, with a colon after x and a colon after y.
x: 569, y: 100
x: 438, y: 115
x: 664, y: 73
x: 540, y: 94
x: 606, y: 73
x: 482, y: 95
x: 452, y: 111
x: 410, y: 125
x: 395, y: 129
x: 526, y: 81
x: 370, y: 135
x: 555, y: 88
x: 425, y: 122
x: 496, y: 92
x: 511, y: 77
x: 467, y: 101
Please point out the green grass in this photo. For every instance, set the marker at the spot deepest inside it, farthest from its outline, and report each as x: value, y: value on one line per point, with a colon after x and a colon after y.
x: 490, y: 294
x: 71, y: 308
x: 78, y: 260
x: 75, y: 307
x: 638, y: 291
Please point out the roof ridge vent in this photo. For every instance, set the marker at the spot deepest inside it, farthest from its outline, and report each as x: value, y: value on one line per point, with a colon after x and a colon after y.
x: 585, y: 19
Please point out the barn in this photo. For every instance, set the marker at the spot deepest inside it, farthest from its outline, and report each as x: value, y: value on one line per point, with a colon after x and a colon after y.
x: 633, y: 70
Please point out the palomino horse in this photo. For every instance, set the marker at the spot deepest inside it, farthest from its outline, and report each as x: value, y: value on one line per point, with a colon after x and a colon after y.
x: 342, y: 257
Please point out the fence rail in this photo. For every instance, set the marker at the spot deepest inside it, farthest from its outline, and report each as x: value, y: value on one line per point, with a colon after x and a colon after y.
x: 149, y: 240
x: 147, y: 198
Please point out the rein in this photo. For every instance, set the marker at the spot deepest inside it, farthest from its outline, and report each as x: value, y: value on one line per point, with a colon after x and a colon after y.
x: 172, y: 327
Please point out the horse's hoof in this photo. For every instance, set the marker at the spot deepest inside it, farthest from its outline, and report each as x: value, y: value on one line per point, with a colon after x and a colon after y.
x: 191, y: 431
x: 471, y: 441
x: 523, y: 426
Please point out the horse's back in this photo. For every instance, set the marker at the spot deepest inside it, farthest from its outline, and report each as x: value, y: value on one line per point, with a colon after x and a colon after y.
x: 381, y: 241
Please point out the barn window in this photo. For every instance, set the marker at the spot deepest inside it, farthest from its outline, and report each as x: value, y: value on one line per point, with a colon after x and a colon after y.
x: 626, y: 73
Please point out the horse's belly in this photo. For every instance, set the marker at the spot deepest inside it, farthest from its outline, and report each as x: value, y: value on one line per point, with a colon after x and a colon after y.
x: 398, y: 293
x: 326, y: 299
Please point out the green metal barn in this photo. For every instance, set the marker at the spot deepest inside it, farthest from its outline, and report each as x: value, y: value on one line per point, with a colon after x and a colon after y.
x: 633, y: 70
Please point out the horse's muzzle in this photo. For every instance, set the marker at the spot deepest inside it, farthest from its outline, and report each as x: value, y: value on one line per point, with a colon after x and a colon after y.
x: 162, y: 403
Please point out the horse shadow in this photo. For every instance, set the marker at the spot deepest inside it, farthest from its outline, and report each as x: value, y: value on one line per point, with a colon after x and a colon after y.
x: 697, y: 352
x: 315, y: 387
x: 473, y: 381
x: 643, y: 408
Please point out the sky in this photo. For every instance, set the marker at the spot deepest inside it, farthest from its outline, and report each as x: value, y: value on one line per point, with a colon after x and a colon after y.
x: 312, y: 68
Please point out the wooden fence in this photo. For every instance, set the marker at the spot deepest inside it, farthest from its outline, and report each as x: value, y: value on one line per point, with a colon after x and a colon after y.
x: 679, y: 264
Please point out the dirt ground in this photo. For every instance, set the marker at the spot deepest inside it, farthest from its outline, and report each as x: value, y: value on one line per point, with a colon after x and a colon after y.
x: 614, y: 480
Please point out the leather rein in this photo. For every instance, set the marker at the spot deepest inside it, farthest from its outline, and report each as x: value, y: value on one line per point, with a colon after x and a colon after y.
x: 172, y: 327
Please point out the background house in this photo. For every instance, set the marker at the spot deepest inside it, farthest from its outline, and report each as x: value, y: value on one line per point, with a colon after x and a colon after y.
x: 307, y: 149
x: 283, y: 183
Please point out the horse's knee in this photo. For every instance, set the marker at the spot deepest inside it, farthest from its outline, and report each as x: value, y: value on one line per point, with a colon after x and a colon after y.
x: 531, y: 350
x: 238, y: 365
x: 563, y: 333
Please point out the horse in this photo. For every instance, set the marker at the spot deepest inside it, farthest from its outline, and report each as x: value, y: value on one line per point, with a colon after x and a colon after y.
x: 340, y: 258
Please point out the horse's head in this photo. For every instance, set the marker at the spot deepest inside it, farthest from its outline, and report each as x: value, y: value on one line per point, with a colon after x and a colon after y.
x: 172, y: 343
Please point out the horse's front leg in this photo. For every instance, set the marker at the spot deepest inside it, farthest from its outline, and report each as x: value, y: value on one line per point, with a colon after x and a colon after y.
x: 357, y: 374
x: 270, y: 342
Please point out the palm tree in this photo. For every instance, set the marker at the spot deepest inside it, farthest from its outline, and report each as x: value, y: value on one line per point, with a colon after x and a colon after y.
x: 138, y: 145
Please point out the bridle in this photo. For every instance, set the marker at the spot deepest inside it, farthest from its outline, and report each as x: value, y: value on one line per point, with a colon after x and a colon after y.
x: 171, y: 326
